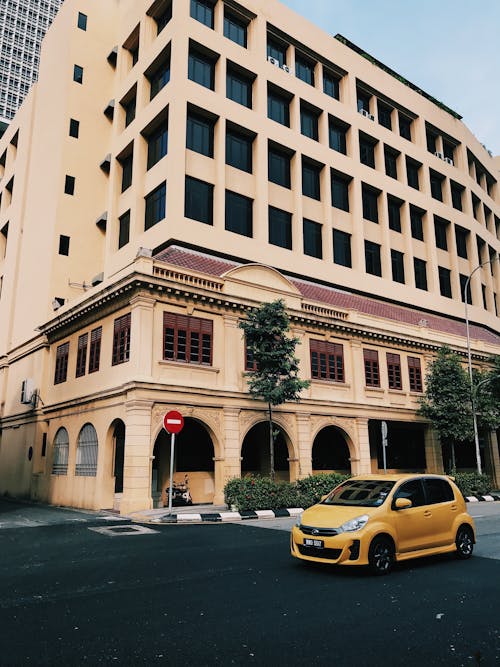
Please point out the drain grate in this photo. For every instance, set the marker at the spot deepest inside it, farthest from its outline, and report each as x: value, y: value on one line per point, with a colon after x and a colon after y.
x: 124, y: 530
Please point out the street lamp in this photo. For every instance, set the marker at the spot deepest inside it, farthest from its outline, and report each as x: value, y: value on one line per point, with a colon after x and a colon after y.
x: 469, y: 361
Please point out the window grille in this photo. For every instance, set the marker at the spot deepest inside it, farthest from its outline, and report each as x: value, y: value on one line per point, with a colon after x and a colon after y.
x: 86, y: 452
x: 61, y: 452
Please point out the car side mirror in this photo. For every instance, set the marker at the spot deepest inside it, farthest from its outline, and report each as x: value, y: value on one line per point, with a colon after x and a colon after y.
x: 402, y: 503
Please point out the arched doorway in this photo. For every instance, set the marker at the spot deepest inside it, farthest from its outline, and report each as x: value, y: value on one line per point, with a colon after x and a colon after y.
x: 330, y: 452
x: 119, y: 455
x: 255, y: 453
x: 193, y: 462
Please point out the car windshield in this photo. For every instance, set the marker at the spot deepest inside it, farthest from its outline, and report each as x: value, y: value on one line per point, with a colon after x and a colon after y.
x: 360, y: 493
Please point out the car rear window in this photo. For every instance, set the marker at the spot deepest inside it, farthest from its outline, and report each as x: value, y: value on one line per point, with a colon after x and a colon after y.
x: 438, y: 491
x: 360, y: 493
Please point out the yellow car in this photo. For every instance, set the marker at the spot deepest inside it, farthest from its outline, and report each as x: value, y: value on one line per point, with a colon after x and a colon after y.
x: 376, y: 520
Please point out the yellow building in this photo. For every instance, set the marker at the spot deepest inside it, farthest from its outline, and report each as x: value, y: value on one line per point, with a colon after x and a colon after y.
x: 177, y: 164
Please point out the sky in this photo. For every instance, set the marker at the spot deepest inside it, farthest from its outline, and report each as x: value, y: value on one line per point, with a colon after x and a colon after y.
x: 449, y: 48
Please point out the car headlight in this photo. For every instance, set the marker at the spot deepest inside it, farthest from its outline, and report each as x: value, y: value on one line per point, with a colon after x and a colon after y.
x: 299, y: 520
x: 354, y: 524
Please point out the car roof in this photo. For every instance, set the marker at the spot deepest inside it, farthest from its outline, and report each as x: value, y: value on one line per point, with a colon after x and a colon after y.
x: 396, y: 477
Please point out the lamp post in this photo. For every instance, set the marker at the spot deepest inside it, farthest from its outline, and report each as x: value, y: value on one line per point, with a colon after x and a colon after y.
x: 469, y: 362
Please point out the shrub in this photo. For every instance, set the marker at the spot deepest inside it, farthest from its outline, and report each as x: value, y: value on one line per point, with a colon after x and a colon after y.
x: 312, y: 488
x: 472, y: 483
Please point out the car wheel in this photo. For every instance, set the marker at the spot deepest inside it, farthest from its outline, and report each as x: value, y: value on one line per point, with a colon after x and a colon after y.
x: 464, y: 542
x: 381, y: 555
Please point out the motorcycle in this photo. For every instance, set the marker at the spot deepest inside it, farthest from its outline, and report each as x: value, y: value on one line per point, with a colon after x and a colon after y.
x: 180, y: 493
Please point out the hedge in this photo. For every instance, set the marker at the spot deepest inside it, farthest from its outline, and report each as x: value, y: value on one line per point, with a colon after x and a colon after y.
x: 472, y: 483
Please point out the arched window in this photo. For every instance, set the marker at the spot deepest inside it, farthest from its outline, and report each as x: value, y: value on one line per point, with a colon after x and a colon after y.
x: 86, y: 452
x: 61, y: 450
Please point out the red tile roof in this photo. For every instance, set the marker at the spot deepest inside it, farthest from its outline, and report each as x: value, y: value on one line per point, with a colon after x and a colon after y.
x: 204, y: 263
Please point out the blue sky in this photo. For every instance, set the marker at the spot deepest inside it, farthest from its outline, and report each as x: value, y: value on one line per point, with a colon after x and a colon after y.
x: 449, y: 48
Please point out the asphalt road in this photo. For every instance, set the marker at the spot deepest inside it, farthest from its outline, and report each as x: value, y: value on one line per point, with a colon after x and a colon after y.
x: 78, y: 589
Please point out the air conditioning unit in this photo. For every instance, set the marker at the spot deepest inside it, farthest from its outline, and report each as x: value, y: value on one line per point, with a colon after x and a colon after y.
x: 27, y: 391
x: 439, y: 155
x: 367, y: 114
x: 449, y: 160
x: 273, y: 61
x: 286, y: 68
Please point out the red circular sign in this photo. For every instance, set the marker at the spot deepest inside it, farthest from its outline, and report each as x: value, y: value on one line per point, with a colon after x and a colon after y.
x: 173, y: 422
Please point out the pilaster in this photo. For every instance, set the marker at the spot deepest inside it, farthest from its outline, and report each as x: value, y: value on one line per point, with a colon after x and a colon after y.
x: 137, y: 463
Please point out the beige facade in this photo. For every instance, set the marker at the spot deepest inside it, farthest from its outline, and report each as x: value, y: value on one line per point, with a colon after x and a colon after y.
x: 296, y: 168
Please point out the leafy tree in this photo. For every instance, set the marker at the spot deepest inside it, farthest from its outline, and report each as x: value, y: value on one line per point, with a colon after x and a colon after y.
x: 446, y: 402
x: 276, y: 377
x: 487, y: 396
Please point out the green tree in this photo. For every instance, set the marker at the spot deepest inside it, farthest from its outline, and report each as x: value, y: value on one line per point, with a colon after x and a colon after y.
x: 276, y: 378
x: 446, y: 401
x: 487, y: 396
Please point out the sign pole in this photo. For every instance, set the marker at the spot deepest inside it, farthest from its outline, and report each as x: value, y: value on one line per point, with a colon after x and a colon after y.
x: 173, y: 423
x: 172, y: 448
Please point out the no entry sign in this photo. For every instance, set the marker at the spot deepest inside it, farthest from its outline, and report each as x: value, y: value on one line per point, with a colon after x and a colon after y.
x: 173, y: 422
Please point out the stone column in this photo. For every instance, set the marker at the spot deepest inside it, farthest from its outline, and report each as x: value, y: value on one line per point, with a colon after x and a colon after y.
x: 231, y: 465
x: 137, y: 464
x: 495, y: 459
x: 304, y: 446
x: 363, y: 465
x: 433, y: 452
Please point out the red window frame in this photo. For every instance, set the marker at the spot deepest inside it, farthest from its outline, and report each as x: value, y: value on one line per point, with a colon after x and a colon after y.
x: 394, y: 371
x: 415, y: 374
x: 95, y: 349
x: 81, y: 355
x: 187, y: 339
x: 372, y: 370
x: 61, y: 369
x: 327, y: 360
x: 250, y: 363
x: 121, y: 340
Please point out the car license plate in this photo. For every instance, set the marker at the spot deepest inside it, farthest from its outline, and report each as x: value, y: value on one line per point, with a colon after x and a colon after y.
x: 318, y: 544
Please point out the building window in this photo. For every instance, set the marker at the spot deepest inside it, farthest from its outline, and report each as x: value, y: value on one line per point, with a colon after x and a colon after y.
x: 127, y: 166
x: 372, y: 372
x: 163, y: 17
x: 74, y: 128
x: 420, y: 273
x: 340, y: 190
x: 463, y: 284
x: 239, y: 85
x: 129, y: 108
x: 309, y: 121
x: 416, y: 221
x: 95, y: 349
x: 201, y: 68
x: 280, y: 228
x: 69, y: 185
x: 278, y: 166
x: 82, y: 21
x: 456, y: 195
x: 81, y: 355
x: 412, y: 171
x: 304, y: 69
x: 363, y: 101
x: 159, y: 76
x: 405, y: 126
x: 394, y: 371
x: 199, y: 200
x: 436, y: 185
x: 384, y: 114
x: 203, y: 11
x: 63, y: 245
x: 337, y: 135
x: 431, y: 138
x: 239, y: 214
x: 187, y: 339
x: 121, y: 340
x: 372, y: 258
x: 276, y: 50
x: 370, y: 203
x: 278, y: 106
x: 86, y: 452
x: 200, y: 134
x: 250, y: 363
x: 398, y: 267
x: 61, y: 370
x: 312, y: 239
x: 235, y: 28
x: 327, y: 360
x: 441, y: 232
x: 331, y: 84
x: 155, y: 206
x: 157, y: 144
x: 415, y: 373
x: 342, y: 248
x: 394, y: 211
x: 461, y: 236
x: 391, y: 162
x: 311, y: 180
x: 77, y: 74
x: 60, y: 453
x: 367, y: 150
x: 239, y: 149
x: 124, y: 229
x: 444, y: 281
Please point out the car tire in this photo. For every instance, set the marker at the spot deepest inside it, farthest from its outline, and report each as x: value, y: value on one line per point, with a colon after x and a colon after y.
x: 464, y: 542
x: 381, y: 556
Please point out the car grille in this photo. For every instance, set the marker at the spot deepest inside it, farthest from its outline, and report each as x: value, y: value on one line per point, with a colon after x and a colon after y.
x: 330, y: 554
x: 319, y: 532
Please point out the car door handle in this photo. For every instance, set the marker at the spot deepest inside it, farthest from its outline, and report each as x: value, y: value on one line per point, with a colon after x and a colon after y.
x: 453, y: 508
x: 427, y: 513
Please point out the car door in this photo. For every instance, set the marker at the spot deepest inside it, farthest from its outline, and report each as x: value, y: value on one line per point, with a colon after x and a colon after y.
x: 411, y: 524
x: 443, y: 508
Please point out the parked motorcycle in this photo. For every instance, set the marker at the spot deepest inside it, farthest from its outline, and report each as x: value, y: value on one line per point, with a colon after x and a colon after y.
x: 180, y: 493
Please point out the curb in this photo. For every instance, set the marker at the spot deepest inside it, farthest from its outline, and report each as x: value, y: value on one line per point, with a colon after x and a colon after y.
x: 492, y: 497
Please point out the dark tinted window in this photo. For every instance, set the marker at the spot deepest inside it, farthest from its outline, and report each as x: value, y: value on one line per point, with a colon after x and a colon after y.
x: 74, y: 128
x: 331, y: 85
x: 342, y: 248
x: 304, y: 69
x: 444, y: 281
x: 398, y: 269
x: 201, y: 69
x: 413, y: 490
x: 279, y: 167
x: 280, y: 228
x: 157, y: 145
x: 198, y: 203
x: 370, y: 203
x: 417, y: 227
x: 312, y: 239
x: 340, y: 191
x: 238, y: 213
x: 362, y: 493
x: 276, y: 50
x: 438, y: 491
x: 337, y: 133
x: 278, y: 107
x: 239, y: 150
x: 203, y: 11
x: 372, y: 258
x: 308, y: 122
x: 235, y: 29
x: 311, y: 180
x: 239, y: 87
x: 155, y: 206
x: 124, y: 229
x: 200, y: 134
